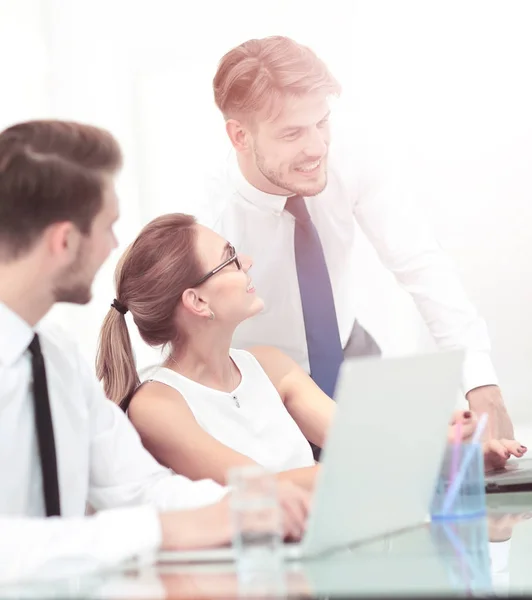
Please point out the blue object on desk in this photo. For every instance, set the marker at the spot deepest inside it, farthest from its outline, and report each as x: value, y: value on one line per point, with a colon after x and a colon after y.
x: 460, y: 489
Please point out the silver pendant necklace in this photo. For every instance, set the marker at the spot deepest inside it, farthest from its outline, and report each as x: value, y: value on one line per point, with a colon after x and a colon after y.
x: 234, y: 396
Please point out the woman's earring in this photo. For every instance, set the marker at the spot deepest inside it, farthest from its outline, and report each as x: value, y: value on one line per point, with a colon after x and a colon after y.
x: 211, y: 316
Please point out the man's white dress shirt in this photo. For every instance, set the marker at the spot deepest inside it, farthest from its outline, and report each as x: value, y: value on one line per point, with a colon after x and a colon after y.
x: 100, y: 461
x: 356, y: 203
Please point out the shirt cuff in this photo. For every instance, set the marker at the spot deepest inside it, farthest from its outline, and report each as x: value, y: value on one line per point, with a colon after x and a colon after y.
x: 478, y: 371
x: 130, y: 533
x: 499, y: 555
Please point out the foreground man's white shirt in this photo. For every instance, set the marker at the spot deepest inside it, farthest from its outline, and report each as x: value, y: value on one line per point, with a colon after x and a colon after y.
x: 100, y: 461
x: 358, y: 204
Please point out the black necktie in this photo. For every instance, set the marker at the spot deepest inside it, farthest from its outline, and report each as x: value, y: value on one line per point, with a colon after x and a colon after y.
x: 45, y: 431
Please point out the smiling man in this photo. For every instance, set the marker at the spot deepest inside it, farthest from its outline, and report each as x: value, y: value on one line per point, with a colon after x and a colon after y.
x: 284, y: 200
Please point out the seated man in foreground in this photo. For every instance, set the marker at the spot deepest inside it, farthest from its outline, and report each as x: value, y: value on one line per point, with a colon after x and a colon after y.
x: 63, y: 444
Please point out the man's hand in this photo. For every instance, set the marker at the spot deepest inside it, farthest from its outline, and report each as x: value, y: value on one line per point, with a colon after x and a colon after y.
x: 194, y: 529
x: 210, y: 526
x: 295, y: 506
x: 488, y: 399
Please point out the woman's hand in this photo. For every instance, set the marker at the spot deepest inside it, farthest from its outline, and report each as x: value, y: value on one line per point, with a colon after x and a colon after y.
x: 466, y: 422
x: 496, y: 452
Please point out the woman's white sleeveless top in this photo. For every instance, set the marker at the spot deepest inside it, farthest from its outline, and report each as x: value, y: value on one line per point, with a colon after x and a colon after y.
x: 251, y: 420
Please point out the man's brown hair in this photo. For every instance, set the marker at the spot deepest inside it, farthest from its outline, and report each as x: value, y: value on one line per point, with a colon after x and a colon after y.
x: 50, y: 172
x: 251, y: 76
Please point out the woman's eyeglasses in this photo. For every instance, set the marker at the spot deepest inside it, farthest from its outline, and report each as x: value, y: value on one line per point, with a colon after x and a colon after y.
x: 233, y: 258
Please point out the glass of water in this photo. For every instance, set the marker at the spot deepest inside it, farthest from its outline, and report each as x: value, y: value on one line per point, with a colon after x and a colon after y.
x: 256, y: 519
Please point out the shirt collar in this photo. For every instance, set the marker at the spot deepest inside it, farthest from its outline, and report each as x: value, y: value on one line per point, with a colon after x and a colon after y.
x: 250, y: 193
x: 15, y: 338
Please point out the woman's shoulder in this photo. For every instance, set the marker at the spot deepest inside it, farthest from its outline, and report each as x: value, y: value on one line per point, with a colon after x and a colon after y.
x: 263, y: 355
x: 275, y: 363
x: 152, y: 392
x: 271, y: 353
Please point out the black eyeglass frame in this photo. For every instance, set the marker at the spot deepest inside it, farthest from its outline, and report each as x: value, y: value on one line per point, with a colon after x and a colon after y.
x: 232, y: 259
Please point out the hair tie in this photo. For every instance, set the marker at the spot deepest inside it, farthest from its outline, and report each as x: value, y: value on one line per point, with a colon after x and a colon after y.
x: 119, y: 307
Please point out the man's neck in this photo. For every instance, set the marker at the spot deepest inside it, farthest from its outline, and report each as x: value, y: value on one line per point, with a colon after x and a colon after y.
x: 23, y: 293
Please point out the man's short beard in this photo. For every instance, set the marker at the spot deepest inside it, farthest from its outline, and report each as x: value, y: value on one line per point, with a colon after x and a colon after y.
x: 69, y: 288
x: 274, y: 178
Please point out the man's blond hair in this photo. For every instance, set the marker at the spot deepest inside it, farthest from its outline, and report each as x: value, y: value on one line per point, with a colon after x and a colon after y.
x: 253, y: 75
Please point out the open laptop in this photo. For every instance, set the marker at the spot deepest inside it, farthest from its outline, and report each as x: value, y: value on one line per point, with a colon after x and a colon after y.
x: 515, y: 476
x: 382, y: 455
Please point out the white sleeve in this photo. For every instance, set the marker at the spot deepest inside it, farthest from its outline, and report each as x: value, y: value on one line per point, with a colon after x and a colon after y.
x: 42, y: 549
x: 124, y: 473
x: 406, y: 245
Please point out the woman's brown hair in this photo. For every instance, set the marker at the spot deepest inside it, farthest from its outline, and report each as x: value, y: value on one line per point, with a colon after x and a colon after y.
x: 150, y: 279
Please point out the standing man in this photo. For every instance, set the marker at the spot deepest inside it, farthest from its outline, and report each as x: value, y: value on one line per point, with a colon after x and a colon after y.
x: 62, y: 444
x: 284, y: 200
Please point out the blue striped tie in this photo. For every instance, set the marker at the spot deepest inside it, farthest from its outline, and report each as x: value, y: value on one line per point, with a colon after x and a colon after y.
x: 319, y: 314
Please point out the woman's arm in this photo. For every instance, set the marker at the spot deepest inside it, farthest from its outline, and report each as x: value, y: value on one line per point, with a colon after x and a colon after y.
x: 313, y: 410
x: 310, y: 408
x: 170, y: 432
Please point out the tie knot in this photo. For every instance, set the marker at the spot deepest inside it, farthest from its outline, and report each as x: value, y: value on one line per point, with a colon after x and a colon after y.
x: 296, y: 206
x: 35, y: 346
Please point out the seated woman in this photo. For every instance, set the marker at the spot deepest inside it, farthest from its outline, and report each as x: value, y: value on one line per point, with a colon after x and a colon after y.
x: 210, y: 407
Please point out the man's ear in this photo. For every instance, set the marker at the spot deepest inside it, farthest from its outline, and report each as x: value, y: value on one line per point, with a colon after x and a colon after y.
x: 238, y: 134
x: 194, y: 304
x: 63, y: 240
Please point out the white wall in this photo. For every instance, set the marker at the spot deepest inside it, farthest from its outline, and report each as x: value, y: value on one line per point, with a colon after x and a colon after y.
x: 442, y: 87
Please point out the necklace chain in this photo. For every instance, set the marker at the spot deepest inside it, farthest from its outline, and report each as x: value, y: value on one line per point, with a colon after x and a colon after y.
x: 231, y: 393
x: 235, y: 397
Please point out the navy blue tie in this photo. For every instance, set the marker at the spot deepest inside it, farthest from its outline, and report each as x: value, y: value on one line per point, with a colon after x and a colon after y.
x: 319, y: 314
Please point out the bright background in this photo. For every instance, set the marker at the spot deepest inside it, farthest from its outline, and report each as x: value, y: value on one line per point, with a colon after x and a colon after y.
x: 442, y: 87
